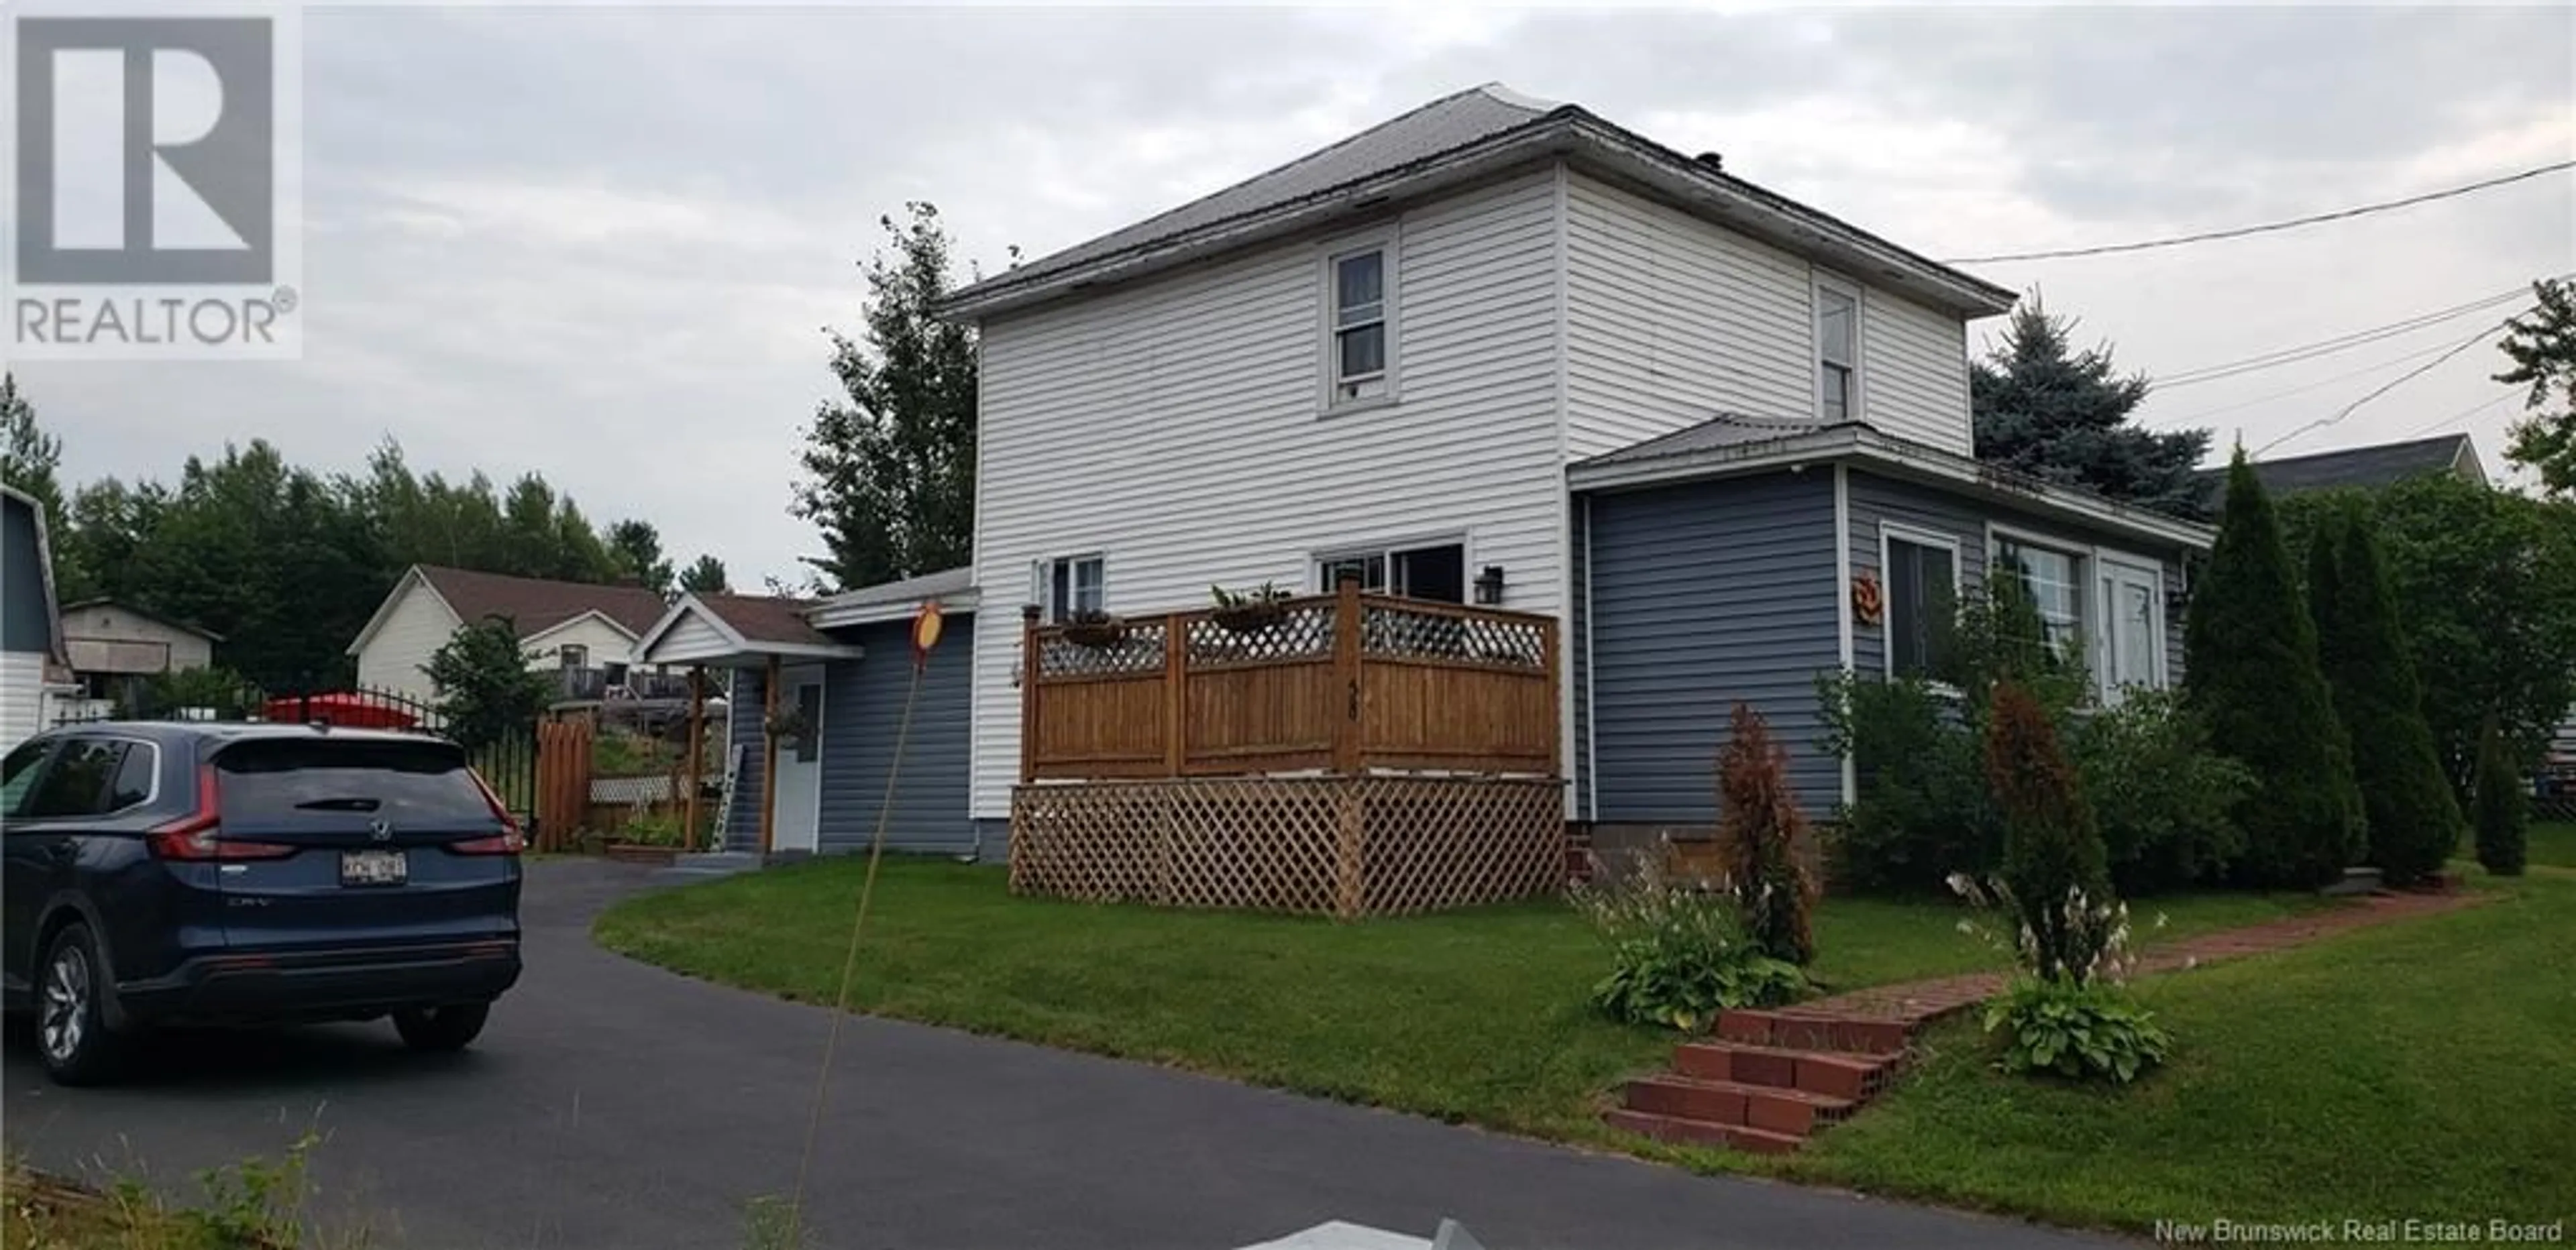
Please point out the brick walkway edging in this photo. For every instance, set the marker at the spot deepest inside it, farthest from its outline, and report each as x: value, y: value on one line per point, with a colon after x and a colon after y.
x: 1771, y: 1079
x: 1916, y: 1003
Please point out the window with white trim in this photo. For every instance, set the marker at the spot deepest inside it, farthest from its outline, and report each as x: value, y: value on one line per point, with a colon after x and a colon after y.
x: 1072, y: 584
x: 573, y: 655
x: 2054, y: 581
x: 1362, y: 348
x: 1921, y: 594
x: 1437, y: 571
x: 1837, y: 352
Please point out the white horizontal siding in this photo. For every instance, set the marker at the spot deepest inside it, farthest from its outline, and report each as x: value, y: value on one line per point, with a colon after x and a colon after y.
x: 22, y: 696
x: 1671, y: 319
x: 1914, y: 372
x: 604, y: 643
x: 1174, y: 427
x: 417, y: 627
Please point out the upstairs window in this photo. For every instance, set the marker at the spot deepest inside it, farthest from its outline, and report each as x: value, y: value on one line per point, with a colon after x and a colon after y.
x: 574, y: 655
x: 1837, y: 352
x: 1071, y: 584
x: 1360, y: 350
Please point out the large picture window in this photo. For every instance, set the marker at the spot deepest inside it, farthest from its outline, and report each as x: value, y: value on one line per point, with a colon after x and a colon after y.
x: 1437, y: 572
x: 2054, y: 581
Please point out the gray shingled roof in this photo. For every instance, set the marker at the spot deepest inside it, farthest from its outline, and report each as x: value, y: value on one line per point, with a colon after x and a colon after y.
x: 1443, y: 125
x: 1726, y: 429
x: 911, y: 589
x: 2375, y: 465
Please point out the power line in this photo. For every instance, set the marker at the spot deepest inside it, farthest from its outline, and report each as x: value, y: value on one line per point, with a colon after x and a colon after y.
x: 2320, y: 384
x: 2239, y: 232
x: 2341, y: 342
x: 2390, y: 385
x: 2465, y: 414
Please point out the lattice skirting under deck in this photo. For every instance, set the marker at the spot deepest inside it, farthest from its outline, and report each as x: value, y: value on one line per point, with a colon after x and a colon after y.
x: 1343, y: 846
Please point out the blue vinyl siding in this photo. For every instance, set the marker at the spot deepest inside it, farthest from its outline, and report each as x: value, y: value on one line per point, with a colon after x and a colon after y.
x: 862, y: 717
x: 1578, y: 669
x: 1706, y: 595
x: 742, y: 824
x: 25, y: 626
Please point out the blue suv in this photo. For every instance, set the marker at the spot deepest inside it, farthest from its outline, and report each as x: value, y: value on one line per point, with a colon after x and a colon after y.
x: 250, y: 874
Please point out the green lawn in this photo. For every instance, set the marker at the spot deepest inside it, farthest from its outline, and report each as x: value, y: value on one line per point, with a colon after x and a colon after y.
x: 2553, y: 843
x: 2421, y: 1069
x: 1477, y: 1016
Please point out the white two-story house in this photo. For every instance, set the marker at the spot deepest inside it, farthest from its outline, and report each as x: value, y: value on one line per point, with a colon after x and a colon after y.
x: 1504, y: 350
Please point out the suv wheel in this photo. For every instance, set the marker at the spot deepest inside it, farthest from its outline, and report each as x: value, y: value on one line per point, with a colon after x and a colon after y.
x: 442, y: 1028
x: 71, y: 1029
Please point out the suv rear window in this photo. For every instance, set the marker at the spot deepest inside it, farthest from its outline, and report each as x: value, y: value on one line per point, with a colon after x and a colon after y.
x: 266, y: 781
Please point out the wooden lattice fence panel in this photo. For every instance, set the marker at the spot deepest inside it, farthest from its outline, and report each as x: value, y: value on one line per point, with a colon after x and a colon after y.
x: 1349, y: 846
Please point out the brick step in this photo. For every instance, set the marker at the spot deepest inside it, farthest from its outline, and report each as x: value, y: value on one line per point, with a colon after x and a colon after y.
x: 1791, y: 1030
x: 1834, y: 1075
x: 1702, y: 1132
x: 1792, y: 1111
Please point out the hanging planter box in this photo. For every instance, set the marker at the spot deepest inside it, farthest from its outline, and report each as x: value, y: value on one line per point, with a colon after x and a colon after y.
x: 1250, y: 618
x: 1096, y: 632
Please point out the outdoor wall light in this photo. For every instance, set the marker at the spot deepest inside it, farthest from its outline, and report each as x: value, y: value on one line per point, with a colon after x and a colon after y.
x: 1489, y: 586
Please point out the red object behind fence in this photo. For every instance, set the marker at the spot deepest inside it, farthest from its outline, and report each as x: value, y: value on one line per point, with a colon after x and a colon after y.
x: 342, y: 709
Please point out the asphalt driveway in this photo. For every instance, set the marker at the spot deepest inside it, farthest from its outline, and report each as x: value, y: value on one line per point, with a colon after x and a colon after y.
x: 617, y: 1106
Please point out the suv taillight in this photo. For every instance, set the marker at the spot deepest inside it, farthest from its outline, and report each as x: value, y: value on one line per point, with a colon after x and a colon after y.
x: 506, y: 842
x: 197, y: 835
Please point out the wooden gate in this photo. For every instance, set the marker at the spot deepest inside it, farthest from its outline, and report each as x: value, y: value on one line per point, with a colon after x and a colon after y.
x: 563, y: 781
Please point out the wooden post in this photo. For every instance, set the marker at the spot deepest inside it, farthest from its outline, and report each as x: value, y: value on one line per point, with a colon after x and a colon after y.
x: 1346, y: 673
x: 768, y: 756
x: 697, y: 755
x: 1176, y: 707
x: 1029, y: 672
x: 1555, y: 659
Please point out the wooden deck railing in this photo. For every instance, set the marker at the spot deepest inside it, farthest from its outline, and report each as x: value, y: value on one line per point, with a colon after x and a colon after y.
x: 1340, y: 683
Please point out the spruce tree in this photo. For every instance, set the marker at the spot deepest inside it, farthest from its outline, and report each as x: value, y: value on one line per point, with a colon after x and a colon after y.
x: 2253, y: 673
x: 2412, y: 819
x: 2504, y: 808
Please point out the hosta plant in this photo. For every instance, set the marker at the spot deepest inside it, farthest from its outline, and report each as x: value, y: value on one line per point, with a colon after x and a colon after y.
x: 1678, y: 954
x: 2091, y: 1031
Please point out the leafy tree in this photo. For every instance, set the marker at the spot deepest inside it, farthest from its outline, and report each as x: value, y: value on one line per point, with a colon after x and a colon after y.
x: 2485, y: 582
x: 636, y: 547
x: 704, y: 577
x: 1760, y: 830
x: 2503, y: 803
x: 891, y: 468
x: 230, y: 694
x: 486, y: 690
x: 2254, y: 676
x: 2061, y: 415
x: 2053, y: 856
x: 29, y: 458
x: 2412, y: 818
x: 2542, y: 345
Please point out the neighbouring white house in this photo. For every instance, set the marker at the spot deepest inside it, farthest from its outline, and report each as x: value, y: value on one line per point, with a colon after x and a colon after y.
x: 34, y: 671
x: 1495, y: 351
x: 116, y: 649
x: 584, y: 630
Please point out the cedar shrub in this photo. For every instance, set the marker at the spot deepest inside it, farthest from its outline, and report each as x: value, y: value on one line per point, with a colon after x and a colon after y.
x: 2054, y: 862
x: 2412, y: 819
x: 1759, y: 830
x: 2504, y: 808
x: 2253, y: 676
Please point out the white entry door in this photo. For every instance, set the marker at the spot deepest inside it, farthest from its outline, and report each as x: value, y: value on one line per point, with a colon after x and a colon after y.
x: 799, y: 819
x: 2131, y: 643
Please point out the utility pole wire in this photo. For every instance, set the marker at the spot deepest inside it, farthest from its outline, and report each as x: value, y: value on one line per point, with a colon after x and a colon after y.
x: 2211, y: 236
x: 2465, y: 414
x: 2339, y: 343
x: 2390, y: 385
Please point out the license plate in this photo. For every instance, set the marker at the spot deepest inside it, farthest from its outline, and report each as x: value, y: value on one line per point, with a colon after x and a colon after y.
x: 374, y: 868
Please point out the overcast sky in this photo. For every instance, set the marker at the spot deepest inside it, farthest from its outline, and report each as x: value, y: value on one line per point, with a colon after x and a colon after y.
x: 603, y: 243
